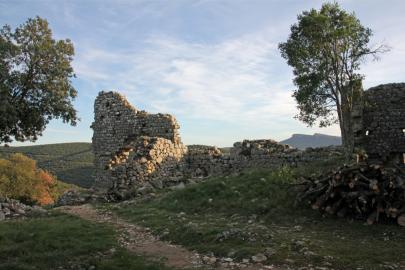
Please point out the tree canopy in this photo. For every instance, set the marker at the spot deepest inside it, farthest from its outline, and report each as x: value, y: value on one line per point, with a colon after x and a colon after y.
x: 35, y: 80
x: 325, y: 49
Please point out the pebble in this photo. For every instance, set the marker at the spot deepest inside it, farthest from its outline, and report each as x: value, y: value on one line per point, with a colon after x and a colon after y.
x: 260, y: 257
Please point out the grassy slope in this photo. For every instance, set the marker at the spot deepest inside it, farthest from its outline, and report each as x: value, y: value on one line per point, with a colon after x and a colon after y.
x: 70, y: 162
x: 241, y: 216
x: 63, y: 241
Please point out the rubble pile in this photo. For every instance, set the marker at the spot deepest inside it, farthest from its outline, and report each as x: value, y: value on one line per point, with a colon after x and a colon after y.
x: 10, y: 208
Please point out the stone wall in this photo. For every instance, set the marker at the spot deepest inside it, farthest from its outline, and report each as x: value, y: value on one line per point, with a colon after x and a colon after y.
x: 151, y: 162
x: 203, y: 160
x: 263, y: 154
x: 117, y: 128
x: 136, y: 151
x: 379, y: 122
x: 271, y: 154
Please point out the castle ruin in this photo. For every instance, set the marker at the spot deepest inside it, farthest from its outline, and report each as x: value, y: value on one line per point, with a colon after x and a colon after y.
x: 133, y: 146
x: 135, y: 151
x: 379, y: 123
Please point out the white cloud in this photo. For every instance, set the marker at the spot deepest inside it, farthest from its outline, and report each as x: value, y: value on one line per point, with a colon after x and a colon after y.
x: 230, y: 74
x: 235, y: 80
x: 240, y: 81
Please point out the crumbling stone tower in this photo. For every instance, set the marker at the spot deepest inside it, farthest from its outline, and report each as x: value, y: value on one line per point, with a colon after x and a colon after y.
x: 133, y: 146
x: 379, y: 123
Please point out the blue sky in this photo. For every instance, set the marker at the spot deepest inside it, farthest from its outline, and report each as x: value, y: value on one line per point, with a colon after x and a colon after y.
x: 214, y: 65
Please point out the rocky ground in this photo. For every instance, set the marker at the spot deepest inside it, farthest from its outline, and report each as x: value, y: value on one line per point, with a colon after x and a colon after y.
x: 10, y: 208
x: 141, y: 241
x: 251, y: 220
x: 246, y: 221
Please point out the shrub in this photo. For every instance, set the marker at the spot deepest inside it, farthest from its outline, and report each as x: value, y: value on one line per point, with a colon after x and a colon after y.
x: 21, y: 179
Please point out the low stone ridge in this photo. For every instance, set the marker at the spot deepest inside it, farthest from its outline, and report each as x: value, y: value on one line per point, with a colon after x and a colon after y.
x: 262, y: 154
x: 78, y: 197
x: 136, y: 152
x: 10, y: 208
x: 204, y: 160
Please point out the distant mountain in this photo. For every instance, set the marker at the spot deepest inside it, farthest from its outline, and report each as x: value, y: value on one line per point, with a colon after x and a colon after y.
x: 303, y: 141
x: 70, y: 162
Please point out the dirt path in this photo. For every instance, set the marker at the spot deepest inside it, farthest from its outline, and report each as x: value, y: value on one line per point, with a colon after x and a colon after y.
x: 140, y: 241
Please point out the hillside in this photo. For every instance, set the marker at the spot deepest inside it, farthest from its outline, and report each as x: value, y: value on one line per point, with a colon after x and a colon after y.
x: 70, y: 162
x: 303, y: 141
x: 246, y: 221
x: 253, y: 216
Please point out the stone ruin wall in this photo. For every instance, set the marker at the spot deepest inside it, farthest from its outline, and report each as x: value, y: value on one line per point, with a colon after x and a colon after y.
x: 204, y: 160
x: 379, y: 122
x: 263, y: 154
x: 123, y: 133
x: 152, y: 162
x: 135, y: 151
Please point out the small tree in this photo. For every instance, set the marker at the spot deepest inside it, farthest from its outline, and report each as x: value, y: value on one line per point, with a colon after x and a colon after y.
x: 325, y: 49
x: 35, y: 80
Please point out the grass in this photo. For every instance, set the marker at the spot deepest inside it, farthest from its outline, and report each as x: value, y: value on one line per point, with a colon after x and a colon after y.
x: 70, y: 162
x: 254, y: 213
x: 61, y: 240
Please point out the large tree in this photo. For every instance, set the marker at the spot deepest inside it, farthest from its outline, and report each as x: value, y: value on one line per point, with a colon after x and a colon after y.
x: 35, y: 80
x: 325, y: 49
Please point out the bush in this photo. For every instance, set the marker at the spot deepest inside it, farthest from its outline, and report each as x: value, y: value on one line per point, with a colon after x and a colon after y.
x: 21, y: 179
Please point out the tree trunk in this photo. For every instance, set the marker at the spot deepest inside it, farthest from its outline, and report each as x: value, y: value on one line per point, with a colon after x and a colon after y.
x: 344, y: 116
x: 347, y: 132
x: 351, y: 94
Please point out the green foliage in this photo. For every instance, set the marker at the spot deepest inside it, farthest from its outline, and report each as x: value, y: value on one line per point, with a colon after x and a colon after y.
x: 283, y: 175
x: 122, y: 259
x: 325, y: 49
x: 20, y: 179
x: 64, y: 241
x: 253, y: 192
x: 70, y: 162
x: 257, y: 211
x: 35, y: 80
